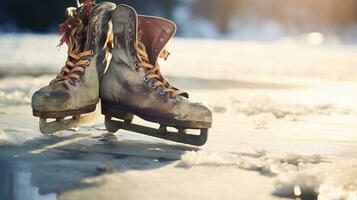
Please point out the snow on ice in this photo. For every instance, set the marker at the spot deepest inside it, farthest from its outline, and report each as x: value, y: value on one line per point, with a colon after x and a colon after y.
x: 284, y: 125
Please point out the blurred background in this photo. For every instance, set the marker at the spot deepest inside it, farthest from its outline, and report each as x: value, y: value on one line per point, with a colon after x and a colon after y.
x: 279, y: 76
x: 263, y: 20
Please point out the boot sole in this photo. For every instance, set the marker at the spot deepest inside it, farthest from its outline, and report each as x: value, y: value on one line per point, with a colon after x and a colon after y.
x: 58, y: 114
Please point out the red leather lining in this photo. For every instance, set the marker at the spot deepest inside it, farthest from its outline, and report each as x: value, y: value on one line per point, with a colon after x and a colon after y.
x: 154, y: 33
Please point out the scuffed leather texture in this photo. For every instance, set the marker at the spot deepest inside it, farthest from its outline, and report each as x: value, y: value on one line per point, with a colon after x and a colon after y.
x: 61, y: 96
x: 124, y: 83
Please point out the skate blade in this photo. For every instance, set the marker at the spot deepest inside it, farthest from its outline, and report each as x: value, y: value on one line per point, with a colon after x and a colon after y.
x: 61, y: 124
x: 162, y: 132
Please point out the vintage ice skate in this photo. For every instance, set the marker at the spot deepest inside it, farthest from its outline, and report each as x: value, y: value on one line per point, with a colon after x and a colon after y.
x: 75, y: 90
x: 133, y: 84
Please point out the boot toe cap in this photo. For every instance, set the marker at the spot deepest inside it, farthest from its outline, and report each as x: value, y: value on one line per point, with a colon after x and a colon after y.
x: 196, y: 113
x: 47, y: 99
x: 201, y: 112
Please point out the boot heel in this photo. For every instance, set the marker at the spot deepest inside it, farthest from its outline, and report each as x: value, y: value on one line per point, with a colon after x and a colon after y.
x: 115, y: 110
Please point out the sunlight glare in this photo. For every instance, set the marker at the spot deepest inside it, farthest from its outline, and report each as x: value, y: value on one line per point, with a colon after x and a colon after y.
x: 315, y: 38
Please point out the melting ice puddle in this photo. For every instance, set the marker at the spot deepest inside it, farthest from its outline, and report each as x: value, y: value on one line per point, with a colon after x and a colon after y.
x: 16, y: 183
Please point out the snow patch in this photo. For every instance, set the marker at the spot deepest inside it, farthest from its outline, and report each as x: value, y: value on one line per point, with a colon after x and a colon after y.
x: 263, y: 120
x: 250, y: 159
x: 264, y: 105
x: 19, y: 90
x: 310, y: 185
x: 296, y: 176
x: 334, y: 192
x: 15, y: 97
x: 298, y: 185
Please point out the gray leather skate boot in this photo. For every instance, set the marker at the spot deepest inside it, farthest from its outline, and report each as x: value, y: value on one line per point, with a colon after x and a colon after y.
x: 133, y: 84
x: 75, y: 90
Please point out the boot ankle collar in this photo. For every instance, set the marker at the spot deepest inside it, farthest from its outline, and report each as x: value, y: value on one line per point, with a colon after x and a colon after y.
x: 155, y: 33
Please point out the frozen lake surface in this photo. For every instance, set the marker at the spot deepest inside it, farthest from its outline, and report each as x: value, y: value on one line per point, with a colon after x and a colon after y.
x: 285, y: 127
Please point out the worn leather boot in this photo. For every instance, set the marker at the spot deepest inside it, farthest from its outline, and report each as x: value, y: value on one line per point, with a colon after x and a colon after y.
x: 75, y: 90
x: 133, y: 84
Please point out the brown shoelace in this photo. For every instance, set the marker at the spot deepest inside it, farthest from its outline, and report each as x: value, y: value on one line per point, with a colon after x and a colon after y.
x: 73, y: 33
x: 70, y: 71
x: 154, y: 72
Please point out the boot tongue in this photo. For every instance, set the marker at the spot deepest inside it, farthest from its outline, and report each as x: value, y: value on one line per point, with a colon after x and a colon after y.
x: 155, y: 33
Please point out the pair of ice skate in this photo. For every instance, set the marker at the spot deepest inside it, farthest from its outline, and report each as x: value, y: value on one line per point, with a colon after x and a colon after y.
x: 104, y: 34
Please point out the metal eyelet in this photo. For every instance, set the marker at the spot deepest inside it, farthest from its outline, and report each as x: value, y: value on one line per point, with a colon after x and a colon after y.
x: 145, y: 79
x: 130, y: 29
x: 161, y: 92
x: 87, y: 62
x: 91, y: 52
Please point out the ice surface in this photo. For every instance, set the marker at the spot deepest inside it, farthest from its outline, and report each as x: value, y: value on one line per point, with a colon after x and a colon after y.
x: 284, y: 124
x: 16, y: 136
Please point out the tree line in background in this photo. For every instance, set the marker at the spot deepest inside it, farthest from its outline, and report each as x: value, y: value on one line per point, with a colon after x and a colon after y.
x: 323, y: 15
x: 45, y: 15
x: 305, y: 15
